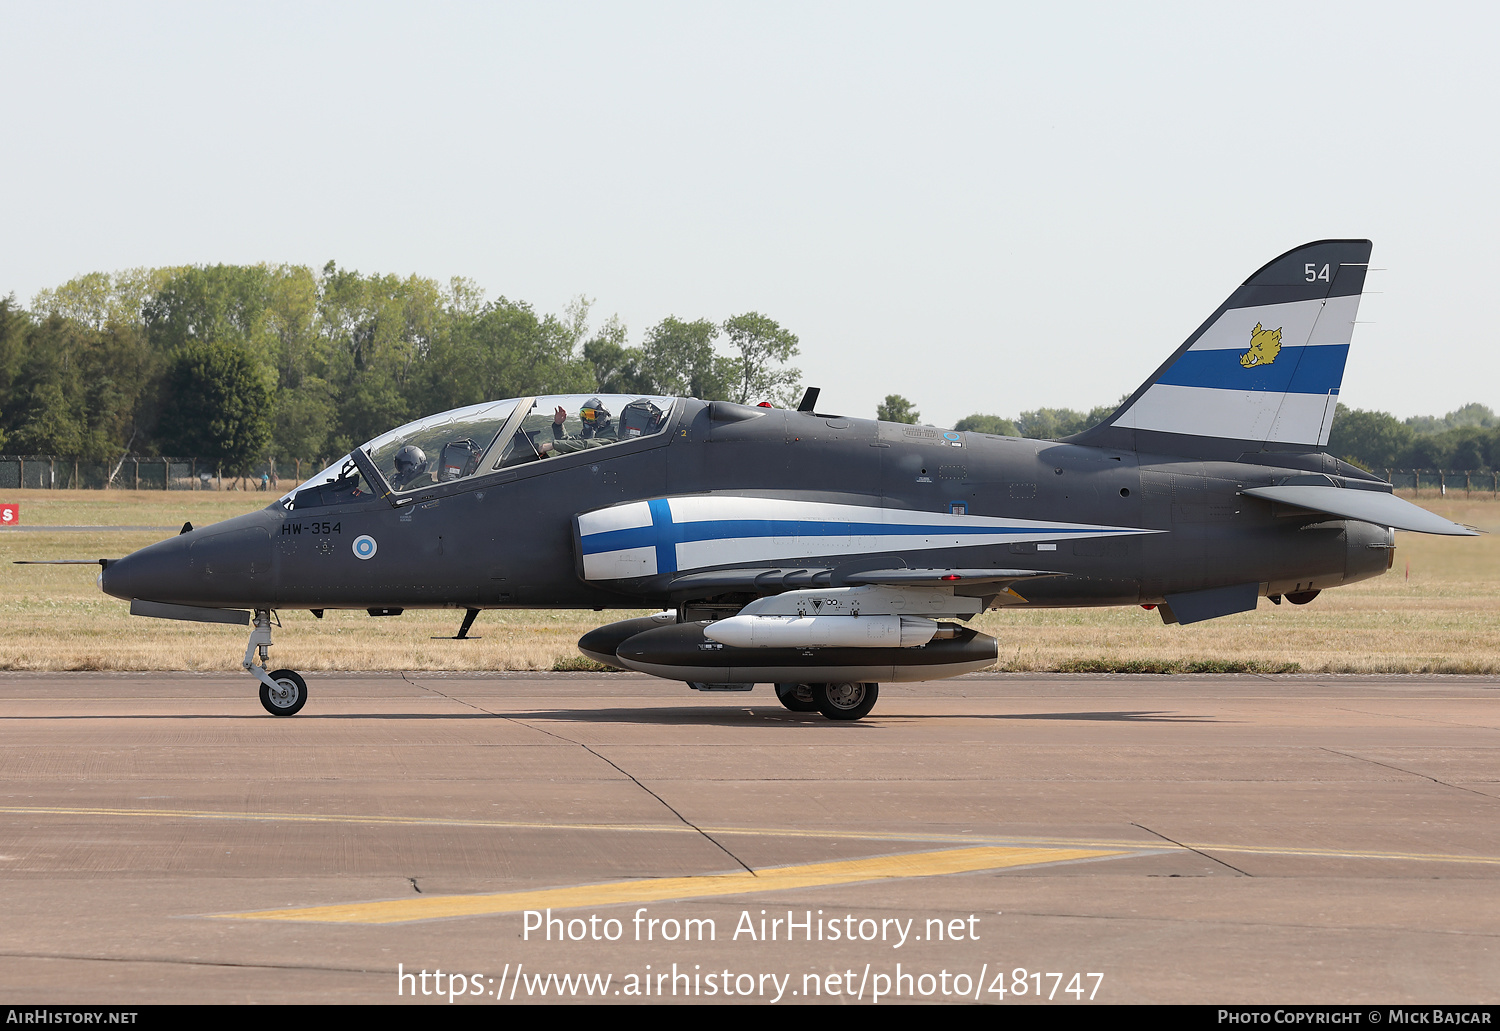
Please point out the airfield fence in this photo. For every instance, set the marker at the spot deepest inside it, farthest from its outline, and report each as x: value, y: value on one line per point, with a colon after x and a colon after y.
x: 1444, y: 481
x: 50, y: 472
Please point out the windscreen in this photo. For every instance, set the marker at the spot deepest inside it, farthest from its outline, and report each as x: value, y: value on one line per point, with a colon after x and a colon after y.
x: 441, y: 447
x: 464, y: 442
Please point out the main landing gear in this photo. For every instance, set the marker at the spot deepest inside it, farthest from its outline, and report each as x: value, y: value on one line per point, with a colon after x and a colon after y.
x: 796, y: 697
x: 845, y: 701
x: 282, y: 692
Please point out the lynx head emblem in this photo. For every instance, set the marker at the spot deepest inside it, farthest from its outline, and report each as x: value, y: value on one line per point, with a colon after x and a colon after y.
x: 1265, y: 345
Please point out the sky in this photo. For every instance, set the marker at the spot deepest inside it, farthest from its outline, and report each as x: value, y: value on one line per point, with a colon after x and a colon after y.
x: 983, y: 207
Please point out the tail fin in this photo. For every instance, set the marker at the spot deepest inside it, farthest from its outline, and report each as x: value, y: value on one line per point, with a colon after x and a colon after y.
x: 1263, y: 373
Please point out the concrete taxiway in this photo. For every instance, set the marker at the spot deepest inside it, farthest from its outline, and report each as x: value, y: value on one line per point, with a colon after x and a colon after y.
x: 1217, y: 839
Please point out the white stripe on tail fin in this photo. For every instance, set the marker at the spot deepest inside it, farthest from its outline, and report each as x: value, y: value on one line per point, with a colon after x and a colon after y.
x: 1263, y: 373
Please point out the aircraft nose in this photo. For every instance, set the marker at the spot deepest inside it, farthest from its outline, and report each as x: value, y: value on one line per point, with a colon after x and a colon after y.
x: 228, y: 563
x: 158, y: 573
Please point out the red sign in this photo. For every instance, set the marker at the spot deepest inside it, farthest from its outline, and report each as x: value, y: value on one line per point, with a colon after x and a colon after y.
x: 10, y: 515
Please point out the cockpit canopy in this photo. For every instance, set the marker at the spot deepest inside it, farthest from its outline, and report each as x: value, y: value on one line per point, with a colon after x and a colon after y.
x: 485, y: 438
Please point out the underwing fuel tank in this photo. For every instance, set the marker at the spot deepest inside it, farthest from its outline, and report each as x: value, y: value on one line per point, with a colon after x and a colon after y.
x: 685, y: 652
x: 601, y: 643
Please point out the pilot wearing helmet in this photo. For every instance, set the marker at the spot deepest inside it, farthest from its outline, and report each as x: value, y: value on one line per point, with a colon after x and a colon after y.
x: 595, y: 418
x: 640, y: 418
x: 409, y: 466
x: 597, y: 430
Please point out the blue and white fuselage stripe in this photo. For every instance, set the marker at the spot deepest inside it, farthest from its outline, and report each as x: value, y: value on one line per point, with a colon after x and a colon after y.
x: 1210, y: 391
x: 669, y: 535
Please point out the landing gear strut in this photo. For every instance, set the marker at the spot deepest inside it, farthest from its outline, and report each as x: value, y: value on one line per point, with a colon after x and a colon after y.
x: 284, y: 692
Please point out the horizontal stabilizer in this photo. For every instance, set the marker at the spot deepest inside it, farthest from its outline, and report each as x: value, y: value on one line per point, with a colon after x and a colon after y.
x: 1370, y: 506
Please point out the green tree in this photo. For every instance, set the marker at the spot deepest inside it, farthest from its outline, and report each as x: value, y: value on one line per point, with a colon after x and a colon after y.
x: 1048, y: 423
x: 1471, y: 414
x: 1041, y: 424
x: 14, y: 324
x: 100, y: 299
x: 303, y: 419
x: 272, y: 311
x: 505, y: 350
x: 1470, y: 447
x: 1371, y: 440
x: 997, y: 425
x: 78, y: 391
x: 223, y: 303
x: 678, y: 358
x: 378, y: 335
x: 1099, y: 413
x: 1429, y: 451
x: 896, y: 409
x: 764, y: 347
x: 616, y: 366
x: 218, y: 405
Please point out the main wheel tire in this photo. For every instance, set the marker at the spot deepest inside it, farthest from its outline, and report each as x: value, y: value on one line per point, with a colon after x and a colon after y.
x: 847, y: 701
x: 797, y: 697
x: 291, y: 697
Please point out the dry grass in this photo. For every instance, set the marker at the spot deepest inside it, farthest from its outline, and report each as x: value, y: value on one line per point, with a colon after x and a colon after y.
x: 1442, y: 617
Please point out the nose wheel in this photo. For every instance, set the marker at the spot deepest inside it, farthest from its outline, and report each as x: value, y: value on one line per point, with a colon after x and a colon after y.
x: 285, y: 695
x: 283, y: 692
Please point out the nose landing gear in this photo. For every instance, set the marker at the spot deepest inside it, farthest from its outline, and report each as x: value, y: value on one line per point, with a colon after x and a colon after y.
x: 283, y: 692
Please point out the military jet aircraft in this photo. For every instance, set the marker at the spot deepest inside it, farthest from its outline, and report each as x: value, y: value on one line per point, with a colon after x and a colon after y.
x: 824, y: 554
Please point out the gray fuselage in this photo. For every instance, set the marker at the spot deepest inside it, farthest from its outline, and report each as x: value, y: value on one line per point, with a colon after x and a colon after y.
x: 509, y: 538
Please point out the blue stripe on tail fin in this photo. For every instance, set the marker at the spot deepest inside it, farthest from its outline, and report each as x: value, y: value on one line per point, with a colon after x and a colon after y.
x: 1262, y: 373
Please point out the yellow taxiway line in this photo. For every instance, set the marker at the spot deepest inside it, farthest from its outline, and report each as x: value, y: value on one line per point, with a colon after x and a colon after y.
x: 784, y: 878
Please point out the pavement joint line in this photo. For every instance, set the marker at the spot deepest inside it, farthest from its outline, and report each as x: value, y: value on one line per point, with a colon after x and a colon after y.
x: 1205, y: 855
x: 520, y: 721
x: 668, y: 889
x: 1140, y: 847
x: 1409, y: 773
